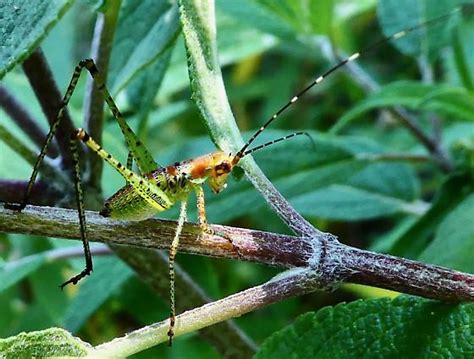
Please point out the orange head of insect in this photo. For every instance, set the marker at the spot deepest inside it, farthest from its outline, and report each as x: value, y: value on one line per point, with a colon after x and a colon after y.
x: 214, y: 168
x: 221, y: 166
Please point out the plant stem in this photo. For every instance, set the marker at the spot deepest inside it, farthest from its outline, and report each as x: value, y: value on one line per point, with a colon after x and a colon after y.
x: 402, y: 275
x: 293, y: 283
x: 25, y: 121
x: 150, y: 265
x: 104, y: 32
x: 42, y: 81
x: 42, y: 194
x: 331, y: 261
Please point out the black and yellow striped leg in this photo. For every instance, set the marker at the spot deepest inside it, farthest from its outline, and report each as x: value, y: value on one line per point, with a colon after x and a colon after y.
x: 140, y: 154
x: 49, y: 138
x: 77, y: 183
x: 172, y: 256
x: 130, y: 161
x: 82, y: 218
x: 201, y: 207
x: 143, y: 158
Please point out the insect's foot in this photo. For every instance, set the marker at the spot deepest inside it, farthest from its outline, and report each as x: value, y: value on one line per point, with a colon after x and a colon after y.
x: 210, y: 231
x: 206, y: 229
x: 18, y: 207
x: 74, y: 280
x: 105, y: 211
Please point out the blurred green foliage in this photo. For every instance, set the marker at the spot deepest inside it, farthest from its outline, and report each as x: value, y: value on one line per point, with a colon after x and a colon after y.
x: 269, y: 50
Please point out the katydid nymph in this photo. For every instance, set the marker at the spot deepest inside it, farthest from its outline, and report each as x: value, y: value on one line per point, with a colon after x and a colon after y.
x: 156, y: 188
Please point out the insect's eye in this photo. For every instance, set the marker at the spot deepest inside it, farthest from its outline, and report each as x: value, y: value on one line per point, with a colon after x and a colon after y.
x: 223, y: 168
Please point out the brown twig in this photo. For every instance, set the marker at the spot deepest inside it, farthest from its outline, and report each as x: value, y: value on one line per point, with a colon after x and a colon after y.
x: 24, y: 120
x: 332, y: 262
x: 104, y: 31
x: 42, y: 194
x: 42, y: 81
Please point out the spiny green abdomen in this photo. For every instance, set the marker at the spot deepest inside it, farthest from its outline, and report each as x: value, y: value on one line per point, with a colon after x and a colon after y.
x: 127, y: 203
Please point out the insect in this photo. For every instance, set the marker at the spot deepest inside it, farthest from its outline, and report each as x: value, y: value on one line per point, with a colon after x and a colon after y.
x: 156, y: 188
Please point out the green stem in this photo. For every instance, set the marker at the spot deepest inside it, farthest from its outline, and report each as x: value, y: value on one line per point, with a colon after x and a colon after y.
x: 233, y: 306
x: 198, y: 21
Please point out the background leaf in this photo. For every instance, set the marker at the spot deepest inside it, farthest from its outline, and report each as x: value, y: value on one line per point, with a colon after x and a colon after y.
x: 13, y: 272
x: 415, y: 238
x: 453, y: 244
x: 267, y: 52
x: 404, y: 327
x: 155, y: 26
x: 23, y: 25
x: 93, y: 293
x: 454, y: 102
x: 393, y: 17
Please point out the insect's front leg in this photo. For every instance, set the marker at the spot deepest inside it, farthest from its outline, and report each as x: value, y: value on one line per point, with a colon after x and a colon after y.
x: 201, y: 207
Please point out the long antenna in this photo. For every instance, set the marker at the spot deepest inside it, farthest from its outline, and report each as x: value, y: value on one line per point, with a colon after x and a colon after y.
x: 243, y: 151
x: 269, y: 143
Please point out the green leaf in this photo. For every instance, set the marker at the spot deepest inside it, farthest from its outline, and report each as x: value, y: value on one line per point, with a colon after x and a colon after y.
x: 454, y: 240
x: 253, y: 13
x: 415, y: 238
x: 402, y: 328
x: 15, y: 271
x: 428, y: 41
x: 142, y: 91
x: 155, y: 26
x: 98, y: 5
x: 453, y: 101
x: 23, y: 24
x: 53, y: 342
x: 51, y: 300
x: 391, y: 179
x: 309, y: 17
x: 109, y: 275
x: 339, y: 202
x: 462, y: 48
x: 457, y: 103
x: 339, y: 185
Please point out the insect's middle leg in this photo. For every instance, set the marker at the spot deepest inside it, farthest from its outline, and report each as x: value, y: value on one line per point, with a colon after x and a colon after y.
x: 201, y: 207
x: 172, y: 255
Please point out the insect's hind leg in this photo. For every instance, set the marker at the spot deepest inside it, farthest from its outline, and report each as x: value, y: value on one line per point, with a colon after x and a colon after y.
x: 82, y: 218
x: 52, y: 131
x: 138, y: 151
x: 201, y: 207
x: 76, y: 175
